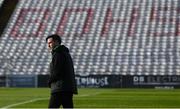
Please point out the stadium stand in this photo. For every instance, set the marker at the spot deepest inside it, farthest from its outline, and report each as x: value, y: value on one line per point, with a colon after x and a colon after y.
x: 126, y: 37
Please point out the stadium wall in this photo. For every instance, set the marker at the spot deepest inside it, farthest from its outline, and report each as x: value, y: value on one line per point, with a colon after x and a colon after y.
x: 98, y: 81
x: 6, y: 10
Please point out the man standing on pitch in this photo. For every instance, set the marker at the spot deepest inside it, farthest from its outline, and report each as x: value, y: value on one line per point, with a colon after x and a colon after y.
x: 62, y: 78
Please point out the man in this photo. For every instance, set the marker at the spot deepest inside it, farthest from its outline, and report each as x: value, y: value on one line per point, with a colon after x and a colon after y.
x: 62, y: 78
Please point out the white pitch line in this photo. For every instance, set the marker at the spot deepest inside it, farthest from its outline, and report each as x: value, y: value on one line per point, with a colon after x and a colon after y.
x: 29, y: 101
x: 37, y: 99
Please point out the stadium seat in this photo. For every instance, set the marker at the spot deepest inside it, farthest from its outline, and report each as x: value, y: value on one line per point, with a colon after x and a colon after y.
x: 1, y: 1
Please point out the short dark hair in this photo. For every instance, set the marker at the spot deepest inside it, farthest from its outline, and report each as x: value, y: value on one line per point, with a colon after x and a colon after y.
x: 55, y: 37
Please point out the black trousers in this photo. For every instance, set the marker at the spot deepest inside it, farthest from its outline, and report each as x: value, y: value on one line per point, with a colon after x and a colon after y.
x: 57, y: 99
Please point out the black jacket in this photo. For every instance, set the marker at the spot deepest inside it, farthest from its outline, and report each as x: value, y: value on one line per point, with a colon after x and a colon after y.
x: 62, y: 77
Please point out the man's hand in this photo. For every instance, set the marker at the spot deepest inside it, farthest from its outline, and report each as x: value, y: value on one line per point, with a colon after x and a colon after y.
x: 49, y: 83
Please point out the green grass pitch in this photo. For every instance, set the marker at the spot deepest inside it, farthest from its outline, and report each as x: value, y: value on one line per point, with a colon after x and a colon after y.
x: 93, y: 98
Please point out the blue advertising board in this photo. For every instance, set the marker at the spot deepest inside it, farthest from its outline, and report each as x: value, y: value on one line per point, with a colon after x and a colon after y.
x: 22, y: 80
